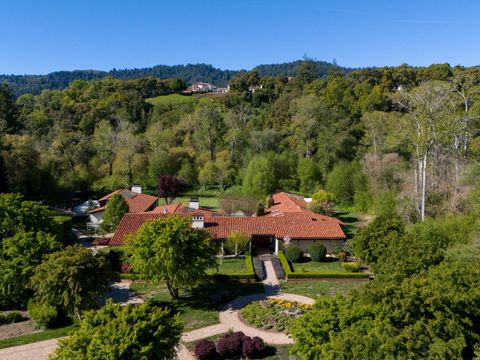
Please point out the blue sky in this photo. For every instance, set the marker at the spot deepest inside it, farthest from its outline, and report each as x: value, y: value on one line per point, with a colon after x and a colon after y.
x: 38, y: 37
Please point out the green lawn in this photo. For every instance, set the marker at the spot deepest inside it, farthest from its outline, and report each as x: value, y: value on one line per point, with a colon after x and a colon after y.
x: 208, y: 202
x: 171, y: 100
x: 318, y: 288
x: 198, y: 307
x: 229, y: 266
x: 39, y: 336
x: 313, y: 266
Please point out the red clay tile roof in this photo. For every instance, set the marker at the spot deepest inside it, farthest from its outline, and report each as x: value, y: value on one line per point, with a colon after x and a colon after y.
x: 136, y: 202
x: 286, y: 203
x: 295, y: 226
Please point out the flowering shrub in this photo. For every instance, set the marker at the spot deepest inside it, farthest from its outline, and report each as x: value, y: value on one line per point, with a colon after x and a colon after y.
x: 273, y: 313
x: 205, y: 350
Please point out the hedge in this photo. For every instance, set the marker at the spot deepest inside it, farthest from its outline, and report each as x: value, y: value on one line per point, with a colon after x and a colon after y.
x: 316, y: 275
x: 285, y: 263
x: 327, y: 275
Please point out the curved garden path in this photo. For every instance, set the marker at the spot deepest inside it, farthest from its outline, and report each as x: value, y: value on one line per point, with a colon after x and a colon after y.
x: 229, y: 316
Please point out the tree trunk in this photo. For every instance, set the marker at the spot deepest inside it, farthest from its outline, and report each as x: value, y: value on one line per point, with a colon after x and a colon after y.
x: 78, y: 313
x: 173, y: 291
x: 424, y: 186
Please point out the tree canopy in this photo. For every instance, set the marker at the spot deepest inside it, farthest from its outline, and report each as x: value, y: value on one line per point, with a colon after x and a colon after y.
x: 71, y: 279
x: 169, y: 250
x: 114, y: 211
x: 124, y: 332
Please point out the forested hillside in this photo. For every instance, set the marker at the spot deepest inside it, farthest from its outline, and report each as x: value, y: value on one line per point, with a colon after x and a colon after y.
x: 400, y: 143
x: 398, y: 137
x: 190, y: 73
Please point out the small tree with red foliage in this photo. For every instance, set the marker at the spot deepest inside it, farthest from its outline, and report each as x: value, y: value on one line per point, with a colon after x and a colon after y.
x: 205, y: 350
x: 169, y: 186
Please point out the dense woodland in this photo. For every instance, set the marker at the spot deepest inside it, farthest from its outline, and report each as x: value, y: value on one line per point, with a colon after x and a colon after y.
x: 190, y: 73
x: 398, y: 142
x: 398, y: 137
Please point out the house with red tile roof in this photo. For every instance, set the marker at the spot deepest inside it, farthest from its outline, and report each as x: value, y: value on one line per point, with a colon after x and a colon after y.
x: 288, y: 220
x: 137, y: 203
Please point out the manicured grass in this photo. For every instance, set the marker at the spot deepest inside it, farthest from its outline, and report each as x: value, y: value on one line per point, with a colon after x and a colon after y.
x: 318, y: 288
x: 39, y: 336
x: 314, y: 266
x: 171, y: 100
x: 228, y: 266
x: 211, y: 203
x: 198, y: 307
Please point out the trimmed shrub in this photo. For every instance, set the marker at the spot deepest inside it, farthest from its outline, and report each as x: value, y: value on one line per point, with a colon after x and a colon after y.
x: 327, y: 275
x: 230, y: 346
x: 205, y: 350
x: 277, y: 267
x: 352, y: 267
x: 285, y: 265
x: 259, y: 268
x: 253, y: 348
x: 317, y: 252
x: 294, y: 254
x: 45, y: 315
x: 10, y: 317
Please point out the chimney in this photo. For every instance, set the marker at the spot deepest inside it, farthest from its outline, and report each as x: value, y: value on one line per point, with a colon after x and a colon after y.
x: 194, y: 203
x: 198, y: 222
x: 136, y: 189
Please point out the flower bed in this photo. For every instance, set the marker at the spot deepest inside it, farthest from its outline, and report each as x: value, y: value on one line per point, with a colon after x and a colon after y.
x: 273, y: 314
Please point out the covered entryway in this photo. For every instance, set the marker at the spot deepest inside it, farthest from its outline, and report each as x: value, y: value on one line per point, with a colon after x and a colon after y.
x: 262, y: 245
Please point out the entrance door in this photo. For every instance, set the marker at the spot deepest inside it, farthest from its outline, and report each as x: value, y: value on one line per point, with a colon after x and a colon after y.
x: 262, y: 245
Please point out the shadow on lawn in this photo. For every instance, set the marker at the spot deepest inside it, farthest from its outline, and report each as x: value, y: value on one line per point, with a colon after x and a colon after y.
x: 210, y: 295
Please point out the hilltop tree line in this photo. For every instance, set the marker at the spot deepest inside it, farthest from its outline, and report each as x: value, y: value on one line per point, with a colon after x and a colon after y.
x: 377, y: 138
x: 190, y: 73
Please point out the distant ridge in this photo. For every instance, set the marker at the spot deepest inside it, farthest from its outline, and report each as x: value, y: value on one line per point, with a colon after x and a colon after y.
x: 190, y: 73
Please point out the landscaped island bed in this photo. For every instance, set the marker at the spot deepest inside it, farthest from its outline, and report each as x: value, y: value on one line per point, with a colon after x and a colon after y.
x: 273, y: 313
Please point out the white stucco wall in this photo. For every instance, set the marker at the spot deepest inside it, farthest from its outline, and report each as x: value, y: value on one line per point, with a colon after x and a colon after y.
x: 96, y: 217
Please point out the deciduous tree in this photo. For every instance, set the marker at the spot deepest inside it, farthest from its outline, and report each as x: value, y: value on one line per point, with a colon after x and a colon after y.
x: 169, y: 250
x: 114, y: 211
x: 71, y: 279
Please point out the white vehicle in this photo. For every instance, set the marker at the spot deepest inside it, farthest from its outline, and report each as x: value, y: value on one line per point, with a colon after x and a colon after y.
x: 84, y: 208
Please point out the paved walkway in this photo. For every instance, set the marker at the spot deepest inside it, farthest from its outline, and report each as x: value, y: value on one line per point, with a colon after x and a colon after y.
x: 34, y: 351
x: 120, y: 293
x: 228, y: 316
